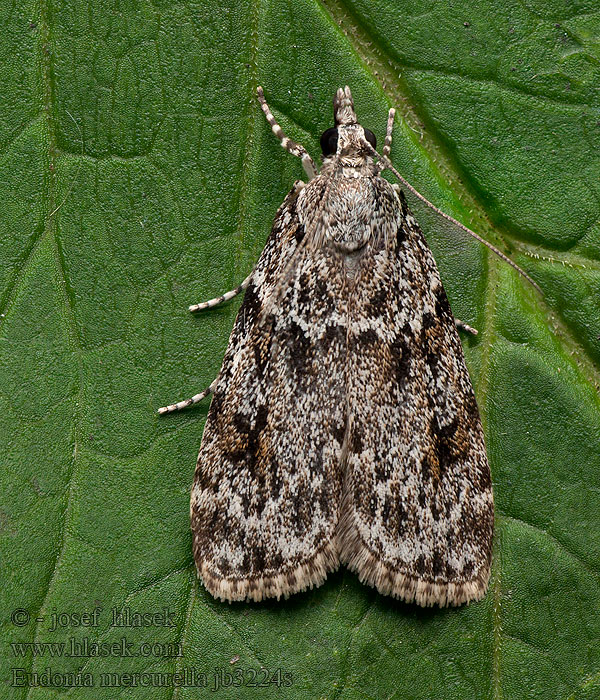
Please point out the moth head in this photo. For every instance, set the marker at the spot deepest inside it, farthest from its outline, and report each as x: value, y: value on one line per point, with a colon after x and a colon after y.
x: 347, y: 137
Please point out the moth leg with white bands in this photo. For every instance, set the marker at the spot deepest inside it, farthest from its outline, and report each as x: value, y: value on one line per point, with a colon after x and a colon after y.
x: 211, y: 303
x: 290, y: 146
x: 462, y: 326
x: 180, y: 405
x: 387, y: 146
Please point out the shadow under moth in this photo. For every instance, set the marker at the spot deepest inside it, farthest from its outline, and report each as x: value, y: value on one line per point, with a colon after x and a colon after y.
x: 343, y: 427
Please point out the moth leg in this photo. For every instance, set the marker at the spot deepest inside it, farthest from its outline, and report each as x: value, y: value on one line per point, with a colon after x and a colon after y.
x: 211, y: 303
x: 224, y: 297
x: 290, y: 146
x: 387, y: 147
x: 462, y: 326
x: 188, y: 402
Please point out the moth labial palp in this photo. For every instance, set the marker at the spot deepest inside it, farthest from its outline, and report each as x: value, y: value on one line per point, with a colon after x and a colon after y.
x: 343, y: 427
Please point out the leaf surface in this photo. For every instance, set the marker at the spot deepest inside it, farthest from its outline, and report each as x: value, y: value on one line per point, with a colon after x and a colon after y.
x: 139, y: 176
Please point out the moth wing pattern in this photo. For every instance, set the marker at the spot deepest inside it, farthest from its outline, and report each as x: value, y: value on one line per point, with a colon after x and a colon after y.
x: 265, y: 499
x: 417, y: 517
x: 343, y: 426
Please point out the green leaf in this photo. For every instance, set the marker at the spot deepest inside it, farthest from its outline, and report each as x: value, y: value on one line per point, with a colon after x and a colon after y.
x: 139, y: 176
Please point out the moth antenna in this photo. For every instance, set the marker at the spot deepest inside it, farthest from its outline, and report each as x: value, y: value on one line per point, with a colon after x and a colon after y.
x: 388, y: 166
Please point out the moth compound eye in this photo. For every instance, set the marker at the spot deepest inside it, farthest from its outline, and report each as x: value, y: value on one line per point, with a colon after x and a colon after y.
x: 370, y: 136
x: 329, y: 141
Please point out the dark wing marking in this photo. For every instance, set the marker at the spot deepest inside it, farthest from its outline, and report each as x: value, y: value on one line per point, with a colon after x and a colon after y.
x: 267, y: 487
x: 418, y: 509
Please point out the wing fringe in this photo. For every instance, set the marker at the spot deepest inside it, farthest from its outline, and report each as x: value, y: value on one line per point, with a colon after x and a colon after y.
x: 389, y: 581
x: 309, y: 574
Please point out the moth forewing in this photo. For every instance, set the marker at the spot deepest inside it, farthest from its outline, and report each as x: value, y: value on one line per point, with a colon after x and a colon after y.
x: 343, y: 426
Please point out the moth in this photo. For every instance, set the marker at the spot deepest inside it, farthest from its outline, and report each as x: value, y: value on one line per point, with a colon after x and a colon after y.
x: 343, y: 427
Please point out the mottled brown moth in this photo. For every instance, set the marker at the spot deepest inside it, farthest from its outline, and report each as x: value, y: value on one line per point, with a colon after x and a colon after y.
x: 343, y: 427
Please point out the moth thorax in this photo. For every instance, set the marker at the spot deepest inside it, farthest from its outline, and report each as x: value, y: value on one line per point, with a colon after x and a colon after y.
x: 347, y: 218
x: 351, y: 142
